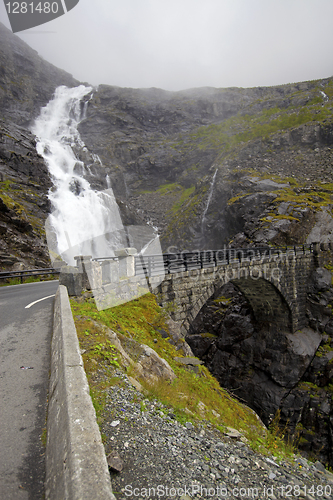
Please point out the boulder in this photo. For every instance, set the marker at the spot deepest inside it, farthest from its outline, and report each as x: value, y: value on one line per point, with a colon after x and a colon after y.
x: 151, y: 367
x: 322, y: 279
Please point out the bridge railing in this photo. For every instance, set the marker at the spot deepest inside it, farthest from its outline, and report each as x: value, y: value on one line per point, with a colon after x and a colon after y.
x: 4, y: 275
x: 153, y: 265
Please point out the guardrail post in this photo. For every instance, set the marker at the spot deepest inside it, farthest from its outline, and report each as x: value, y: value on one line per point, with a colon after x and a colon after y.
x: 185, y: 261
x: 71, y: 278
x: 316, y: 247
x: 126, y: 261
x: 110, y: 271
x: 81, y: 263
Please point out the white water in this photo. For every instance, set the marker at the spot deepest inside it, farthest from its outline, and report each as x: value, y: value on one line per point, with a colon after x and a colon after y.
x: 325, y: 96
x: 209, y: 199
x: 84, y: 221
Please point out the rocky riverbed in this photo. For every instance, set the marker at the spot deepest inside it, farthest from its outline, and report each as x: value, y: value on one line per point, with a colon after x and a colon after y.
x: 154, y: 455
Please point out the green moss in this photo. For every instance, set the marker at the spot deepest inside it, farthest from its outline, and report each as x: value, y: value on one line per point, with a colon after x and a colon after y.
x: 5, y: 185
x: 43, y: 437
x: 221, y: 300
x: 169, y: 188
x: 234, y: 199
x: 316, y: 100
x: 184, y: 212
x: 276, y: 217
x: 11, y: 204
x: 324, y: 349
x: 312, y: 389
x: 262, y: 125
x: 299, y: 198
x: 184, y: 197
x: 208, y: 335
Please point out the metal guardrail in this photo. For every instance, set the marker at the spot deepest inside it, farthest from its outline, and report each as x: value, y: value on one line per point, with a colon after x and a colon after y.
x: 153, y: 265
x: 29, y: 272
x: 101, y: 259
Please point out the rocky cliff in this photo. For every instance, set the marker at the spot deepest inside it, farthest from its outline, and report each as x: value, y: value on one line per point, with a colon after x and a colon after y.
x: 27, y: 81
x: 279, y: 374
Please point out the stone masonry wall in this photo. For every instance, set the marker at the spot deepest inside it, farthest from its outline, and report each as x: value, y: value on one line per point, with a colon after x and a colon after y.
x: 287, y: 274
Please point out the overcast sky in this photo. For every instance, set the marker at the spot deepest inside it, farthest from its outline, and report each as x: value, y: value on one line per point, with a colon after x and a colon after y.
x: 178, y: 44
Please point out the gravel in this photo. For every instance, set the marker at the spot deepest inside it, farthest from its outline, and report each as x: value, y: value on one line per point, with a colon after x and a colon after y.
x: 164, y: 459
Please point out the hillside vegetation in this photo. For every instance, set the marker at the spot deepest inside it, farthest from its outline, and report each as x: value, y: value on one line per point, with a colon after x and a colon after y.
x: 193, y: 396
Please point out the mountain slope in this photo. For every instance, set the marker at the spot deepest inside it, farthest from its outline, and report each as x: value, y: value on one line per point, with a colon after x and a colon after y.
x: 208, y: 167
x: 161, y: 150
x: 27, y: 81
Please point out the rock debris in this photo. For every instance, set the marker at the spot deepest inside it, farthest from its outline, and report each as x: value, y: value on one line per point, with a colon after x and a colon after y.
x: 163, y: 458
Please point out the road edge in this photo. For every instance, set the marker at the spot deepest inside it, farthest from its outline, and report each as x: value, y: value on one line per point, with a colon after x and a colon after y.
x: 76, y: 466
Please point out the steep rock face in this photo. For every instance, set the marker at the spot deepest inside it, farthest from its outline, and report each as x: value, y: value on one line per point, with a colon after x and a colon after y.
x: 24, y: 181
x: 133, y: 130
x: 27, y: 82
x: 274, y: 371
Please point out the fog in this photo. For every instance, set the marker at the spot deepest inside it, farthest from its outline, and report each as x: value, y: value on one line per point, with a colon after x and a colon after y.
x: 179, y: 44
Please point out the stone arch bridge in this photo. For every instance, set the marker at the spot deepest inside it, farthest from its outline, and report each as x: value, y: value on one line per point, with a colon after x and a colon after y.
x: 273, y: 280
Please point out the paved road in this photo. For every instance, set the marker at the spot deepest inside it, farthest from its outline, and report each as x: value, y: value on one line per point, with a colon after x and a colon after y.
x: 25, y: 338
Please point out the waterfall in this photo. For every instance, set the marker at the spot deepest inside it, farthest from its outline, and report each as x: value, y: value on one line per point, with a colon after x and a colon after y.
x: 209, y: 199
x: 83, y: 221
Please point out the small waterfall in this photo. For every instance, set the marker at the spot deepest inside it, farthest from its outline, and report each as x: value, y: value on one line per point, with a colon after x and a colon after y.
x: 325, y: 96
x: 209, y: 199
x: 84, y: 221
x: 126, y: 187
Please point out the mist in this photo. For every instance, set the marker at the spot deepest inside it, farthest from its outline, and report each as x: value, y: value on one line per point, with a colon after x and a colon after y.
x: 179, y: 44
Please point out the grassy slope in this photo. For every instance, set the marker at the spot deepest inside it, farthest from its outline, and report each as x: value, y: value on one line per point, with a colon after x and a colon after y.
x: 139, y: 320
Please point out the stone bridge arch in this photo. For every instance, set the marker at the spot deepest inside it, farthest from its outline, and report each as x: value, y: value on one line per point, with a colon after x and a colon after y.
x: 266, y: 301
x: 276, y: 289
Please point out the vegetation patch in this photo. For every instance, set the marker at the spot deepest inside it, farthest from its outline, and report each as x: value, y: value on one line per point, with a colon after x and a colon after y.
x: 184, y: 197
x: 21, y: 200
x: 315, y: 199
x: 243, y: 128
x: 234, y: 199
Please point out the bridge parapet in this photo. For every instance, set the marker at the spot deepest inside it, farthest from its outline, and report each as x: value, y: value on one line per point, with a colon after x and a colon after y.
x: 275, y: 286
